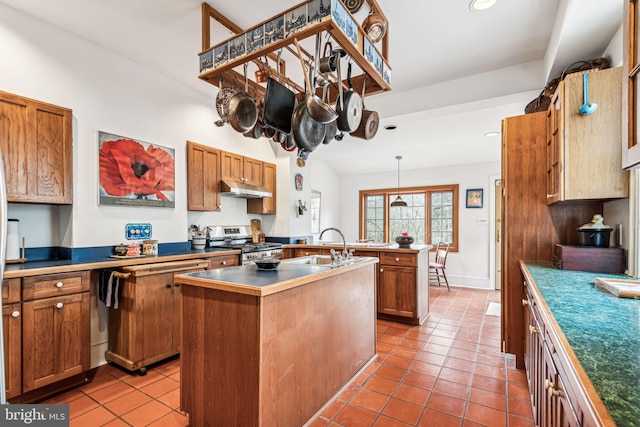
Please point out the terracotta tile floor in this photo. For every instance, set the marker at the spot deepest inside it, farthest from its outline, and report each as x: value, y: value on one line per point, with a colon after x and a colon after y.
x: 448, y: 372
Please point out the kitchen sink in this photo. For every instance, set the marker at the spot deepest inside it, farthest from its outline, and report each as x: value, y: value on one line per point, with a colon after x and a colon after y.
x: 324, y: 260
x: 359, y: 244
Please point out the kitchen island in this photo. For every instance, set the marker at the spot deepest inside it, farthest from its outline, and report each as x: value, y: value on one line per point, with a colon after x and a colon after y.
x: 271, y: 348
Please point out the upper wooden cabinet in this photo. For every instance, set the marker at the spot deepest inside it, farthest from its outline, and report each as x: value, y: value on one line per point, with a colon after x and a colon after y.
x: 630, y: 85
x: 239, y: 168
x: 265, y: 205
x: 36, y: 144
x: 583, y: 151
x: 203, y: 177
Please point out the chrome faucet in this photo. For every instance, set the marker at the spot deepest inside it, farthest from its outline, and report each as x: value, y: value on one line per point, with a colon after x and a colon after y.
x: 344, y: 242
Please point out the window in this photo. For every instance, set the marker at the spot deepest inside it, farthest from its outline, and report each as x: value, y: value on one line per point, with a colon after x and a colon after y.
x: 315, y: 211
x: 431, y: 215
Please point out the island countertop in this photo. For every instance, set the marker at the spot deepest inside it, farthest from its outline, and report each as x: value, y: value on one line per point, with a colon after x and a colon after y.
x: 603, y: 332
x: 248, y: 279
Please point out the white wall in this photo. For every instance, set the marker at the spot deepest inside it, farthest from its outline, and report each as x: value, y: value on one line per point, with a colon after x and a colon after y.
x: 468, y: 267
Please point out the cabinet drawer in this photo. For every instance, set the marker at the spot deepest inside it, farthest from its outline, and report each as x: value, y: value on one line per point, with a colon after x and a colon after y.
x: 223, y: 261
x: 54, y: 285
x: 388, y: 258
x: 10, y: 291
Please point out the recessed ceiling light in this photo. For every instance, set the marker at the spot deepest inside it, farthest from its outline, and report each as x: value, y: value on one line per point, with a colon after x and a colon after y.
x: 477, y: 5
x: 492, y: 134
x: 390, y: 127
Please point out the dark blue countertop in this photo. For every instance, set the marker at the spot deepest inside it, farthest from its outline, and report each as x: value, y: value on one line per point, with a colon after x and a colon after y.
x: 603, y: 331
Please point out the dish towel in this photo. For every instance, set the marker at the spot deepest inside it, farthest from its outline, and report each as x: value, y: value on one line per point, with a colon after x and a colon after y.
x: 108, y: 288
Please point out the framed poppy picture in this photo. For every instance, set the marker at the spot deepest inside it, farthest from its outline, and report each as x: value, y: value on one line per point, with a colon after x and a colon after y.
x: 135, y: 173
x: 474, y: 198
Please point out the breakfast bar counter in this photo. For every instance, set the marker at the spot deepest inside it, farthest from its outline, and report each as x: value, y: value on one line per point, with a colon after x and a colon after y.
x: 271, y: 348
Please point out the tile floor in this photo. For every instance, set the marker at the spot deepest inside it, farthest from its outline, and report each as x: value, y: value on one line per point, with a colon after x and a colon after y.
x: 448, y: 372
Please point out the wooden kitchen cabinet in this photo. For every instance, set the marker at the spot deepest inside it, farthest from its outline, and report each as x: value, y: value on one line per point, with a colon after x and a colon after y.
x: 298, y: 252
x: 203, y: 177
x: 145, y: 328
x: 36, y: 142
x: 239, y: 168
x: 55, y: 328
x: 583, y: 151
x: 265, y: 205
x: 630, y: 85
x: 223, y: 261
x: 12, y: 333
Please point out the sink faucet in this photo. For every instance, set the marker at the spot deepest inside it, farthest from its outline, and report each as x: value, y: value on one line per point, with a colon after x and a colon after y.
x: 344, y: 242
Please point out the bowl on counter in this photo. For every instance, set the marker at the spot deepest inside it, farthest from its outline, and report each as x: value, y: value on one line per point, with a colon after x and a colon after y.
x: 268, y: 264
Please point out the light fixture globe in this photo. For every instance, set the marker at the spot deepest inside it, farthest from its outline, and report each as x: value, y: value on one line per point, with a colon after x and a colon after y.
x: 398, y: 202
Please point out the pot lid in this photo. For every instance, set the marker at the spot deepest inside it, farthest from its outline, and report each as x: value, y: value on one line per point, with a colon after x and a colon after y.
x: 597, y: 223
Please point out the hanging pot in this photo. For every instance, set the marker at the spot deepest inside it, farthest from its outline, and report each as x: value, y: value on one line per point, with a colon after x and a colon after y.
x: 243, y: 112
x: 349, y: 106
x: 370, y: 120
x: 222, y: 102
x: 331, y: 129
x: 262, y: 73
x: 375, y: 26
x: 308, y: 132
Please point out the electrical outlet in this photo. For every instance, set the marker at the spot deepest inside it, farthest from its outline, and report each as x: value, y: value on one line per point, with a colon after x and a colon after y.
x: 138, y: 231
x: 482, y: 221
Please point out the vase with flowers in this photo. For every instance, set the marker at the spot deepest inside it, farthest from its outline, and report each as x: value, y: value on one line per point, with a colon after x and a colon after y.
x: 404, y: 240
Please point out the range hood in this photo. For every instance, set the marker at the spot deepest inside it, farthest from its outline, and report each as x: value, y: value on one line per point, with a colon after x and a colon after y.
x: 242, y: 190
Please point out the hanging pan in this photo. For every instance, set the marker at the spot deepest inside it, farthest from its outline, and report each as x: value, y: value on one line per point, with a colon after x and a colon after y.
x: 349, y: 106
x: 243, y: 112
x: 279, y: 103
x: 222, y: 102
x: 370, y: 119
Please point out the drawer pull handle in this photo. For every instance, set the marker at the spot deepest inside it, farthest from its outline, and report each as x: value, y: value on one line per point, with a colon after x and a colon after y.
x: 524, y: 301
x: 555, y: 392
x: 169, y: 285
x: 547, y: 384
x: 59, y: 305
x: 15, y: 314
x: 533, y: 329
x: 59, y: 284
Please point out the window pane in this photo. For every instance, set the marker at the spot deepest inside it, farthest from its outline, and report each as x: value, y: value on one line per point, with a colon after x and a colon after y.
x: 374, y: 229
x: 441, y: 216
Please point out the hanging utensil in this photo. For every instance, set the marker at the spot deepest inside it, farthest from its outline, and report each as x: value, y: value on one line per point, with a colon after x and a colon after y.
x: 243, y: 112
x: 588, y: 107
x: 350, y: 107
x: 331, y: 128
x: 222, y: 102
x: 370, y: 120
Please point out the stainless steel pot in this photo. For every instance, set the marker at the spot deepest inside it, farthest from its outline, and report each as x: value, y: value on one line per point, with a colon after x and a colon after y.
x: 349, y: 106
x: 243, y: 112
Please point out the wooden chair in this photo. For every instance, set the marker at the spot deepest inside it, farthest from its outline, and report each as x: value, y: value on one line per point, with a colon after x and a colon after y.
x: 437, y: 266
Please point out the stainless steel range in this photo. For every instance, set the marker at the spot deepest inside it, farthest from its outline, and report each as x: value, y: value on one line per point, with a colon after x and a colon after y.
x: 240, y: 237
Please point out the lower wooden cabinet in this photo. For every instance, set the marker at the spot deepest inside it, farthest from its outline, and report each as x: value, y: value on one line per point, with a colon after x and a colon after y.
x: 12, y: 333
x: 55, y: 328
x: 397, y: 291
x: 145, y: 328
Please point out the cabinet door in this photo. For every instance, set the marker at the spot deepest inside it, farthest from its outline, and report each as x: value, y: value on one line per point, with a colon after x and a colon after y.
x: 203, y: 178
x: 265, y: 205
x: 36, y: 141
x: 154, y: 316
x: 56, y: 339
x: 534, y: 360
x: 12, y: 330
x: 397, y: 291
x: 252, y: 171
x: 231, y: 166
x: 630, y: 85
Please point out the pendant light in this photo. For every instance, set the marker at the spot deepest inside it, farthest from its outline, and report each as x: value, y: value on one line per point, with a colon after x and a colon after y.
x: 398, y: 202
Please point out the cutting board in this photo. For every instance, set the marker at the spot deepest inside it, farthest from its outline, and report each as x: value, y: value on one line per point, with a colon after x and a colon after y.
x: 256, y: 229
x: 620, y: 287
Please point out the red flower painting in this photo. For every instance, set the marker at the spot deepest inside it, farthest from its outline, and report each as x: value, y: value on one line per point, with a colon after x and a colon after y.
x: 129, y: 170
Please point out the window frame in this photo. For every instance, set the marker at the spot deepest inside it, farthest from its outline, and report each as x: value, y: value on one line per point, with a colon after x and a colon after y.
x: 391, y: 193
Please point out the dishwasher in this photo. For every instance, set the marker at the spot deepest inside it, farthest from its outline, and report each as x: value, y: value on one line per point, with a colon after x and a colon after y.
x: 146, y: 326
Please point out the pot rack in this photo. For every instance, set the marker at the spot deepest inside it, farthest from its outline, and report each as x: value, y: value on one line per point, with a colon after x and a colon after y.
x: 377, y: 77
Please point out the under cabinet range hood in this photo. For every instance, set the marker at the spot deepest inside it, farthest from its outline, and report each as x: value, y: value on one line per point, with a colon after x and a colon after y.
x: 242, y: 190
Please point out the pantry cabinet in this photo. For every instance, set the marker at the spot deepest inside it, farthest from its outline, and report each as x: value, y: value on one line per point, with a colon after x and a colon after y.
x: 265, y: 205
x: 203, y: 177
x: 12, y: 333
x: 583, y: 151
x: 36, y: 142
x: 55, y: 328
x: 145, y: 328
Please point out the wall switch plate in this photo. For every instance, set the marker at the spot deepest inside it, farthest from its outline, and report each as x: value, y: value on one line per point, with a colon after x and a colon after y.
x: 138, y: 231
x: 482, y: 221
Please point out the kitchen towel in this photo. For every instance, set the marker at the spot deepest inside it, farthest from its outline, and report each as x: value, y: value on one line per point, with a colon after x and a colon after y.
x: 108, y: 288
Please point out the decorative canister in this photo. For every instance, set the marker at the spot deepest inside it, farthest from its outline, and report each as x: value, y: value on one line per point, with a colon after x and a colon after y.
x: 150, y: 247
x: 404, y: 241
x: 133, y: 249
x: 198, y: 242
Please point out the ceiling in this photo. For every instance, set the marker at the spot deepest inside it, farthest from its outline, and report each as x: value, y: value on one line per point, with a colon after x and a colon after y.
x: 455, y: 73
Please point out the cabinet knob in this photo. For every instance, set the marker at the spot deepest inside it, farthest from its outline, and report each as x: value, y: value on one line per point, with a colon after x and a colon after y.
x: 169, y: 285
x: 15, y: 314
x: 224, y: 262
x: 59, y: 305
x: 524, y: 301
x: 381, y: 270
x: 533, y: 329
x: 59, y: 284
x: 177, y: 285
x: 397, y: 259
